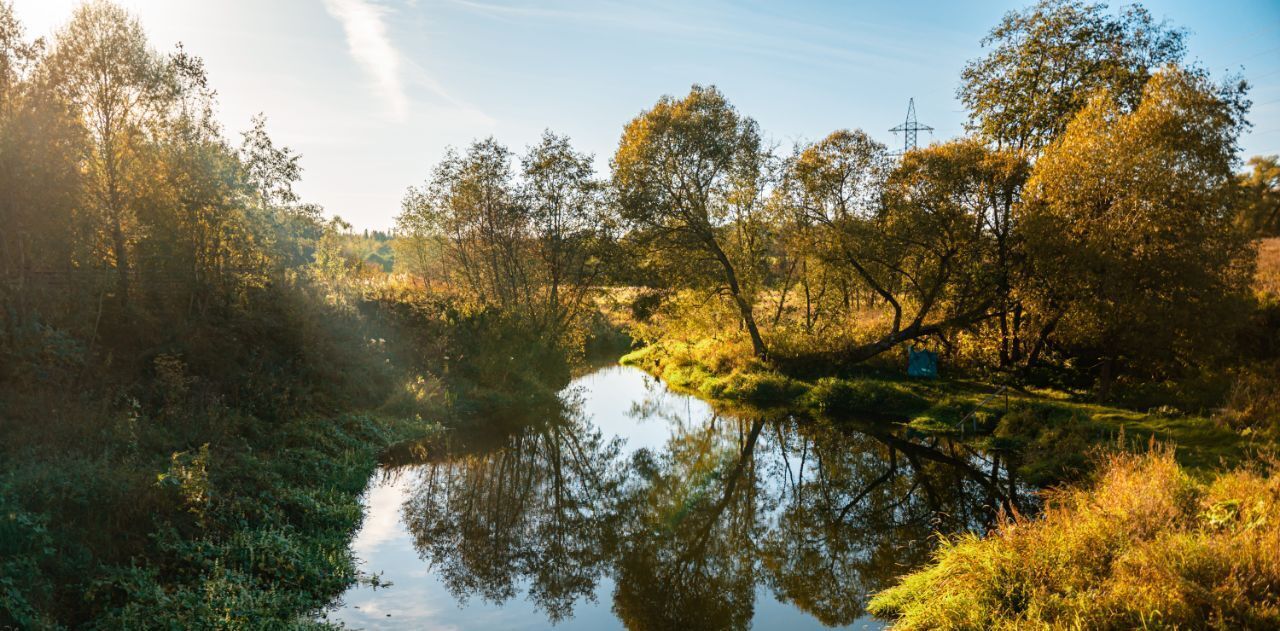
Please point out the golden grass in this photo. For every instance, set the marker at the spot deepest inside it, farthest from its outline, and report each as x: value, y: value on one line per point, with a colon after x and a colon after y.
x: 1146, y: 545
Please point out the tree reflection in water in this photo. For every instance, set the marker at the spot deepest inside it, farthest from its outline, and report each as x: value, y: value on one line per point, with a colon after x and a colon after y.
x: 820, y: 513
x: 535, y: 507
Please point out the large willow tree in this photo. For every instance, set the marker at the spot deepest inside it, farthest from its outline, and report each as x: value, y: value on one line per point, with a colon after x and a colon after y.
x: 685, y: 171
x: 925, y: 238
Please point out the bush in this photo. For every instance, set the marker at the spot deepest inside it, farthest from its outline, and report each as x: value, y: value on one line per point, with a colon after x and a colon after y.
x: 852, y: 396
x: 1144, y: 545
x: 1254, y: 400
x: 762, y: 389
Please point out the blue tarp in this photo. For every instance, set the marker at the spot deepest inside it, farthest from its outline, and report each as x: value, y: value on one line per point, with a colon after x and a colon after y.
x: 922, y: 363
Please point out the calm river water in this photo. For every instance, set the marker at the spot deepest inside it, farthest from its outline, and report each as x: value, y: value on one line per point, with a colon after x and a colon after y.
x: 646, y: 509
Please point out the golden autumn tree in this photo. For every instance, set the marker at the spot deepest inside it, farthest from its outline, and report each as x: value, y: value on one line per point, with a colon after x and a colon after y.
x: 104, y: 67
x: 930, y: 239
x: 1129, y: 226
x: 1045, y: 61
x: 684, y: 171
x: 1260, y: 196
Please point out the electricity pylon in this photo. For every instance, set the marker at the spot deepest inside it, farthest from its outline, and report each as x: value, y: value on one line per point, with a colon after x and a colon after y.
x: 910, y: 128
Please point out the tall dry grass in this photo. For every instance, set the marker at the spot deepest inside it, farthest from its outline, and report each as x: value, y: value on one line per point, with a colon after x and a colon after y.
x: 1144, y: 546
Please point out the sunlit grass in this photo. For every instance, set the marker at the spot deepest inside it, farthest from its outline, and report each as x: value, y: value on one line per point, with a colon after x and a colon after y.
x: 1051, y: 431
x: 1146, y: 545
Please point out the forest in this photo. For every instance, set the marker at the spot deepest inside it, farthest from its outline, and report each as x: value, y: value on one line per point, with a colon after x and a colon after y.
x: 200, y: 370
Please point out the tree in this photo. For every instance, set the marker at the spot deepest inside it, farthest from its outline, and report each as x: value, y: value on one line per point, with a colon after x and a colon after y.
x: 281, y: 222
x: 472, y: 204
x: 40, y: 144
x: 1046, y: 61
x: 103, y: 66
x: 1129, y: 226
x: 917, y: 236
x: 1260, y: 196
x: 196, y: 218
x: 527, y: 245
x: 686, y: 169
x: 567, y: 222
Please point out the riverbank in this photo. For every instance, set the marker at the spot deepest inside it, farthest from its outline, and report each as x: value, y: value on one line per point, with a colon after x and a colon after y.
x: 634, y: 506
x: 1152, y: 518
x: 1051, y: 433
x: 1144, y: 545
x: 247, y: 533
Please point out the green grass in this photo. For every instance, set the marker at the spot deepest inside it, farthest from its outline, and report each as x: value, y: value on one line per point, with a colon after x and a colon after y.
x: 1051, y: 432
x: 242, y: 535
x: 1146, y: 545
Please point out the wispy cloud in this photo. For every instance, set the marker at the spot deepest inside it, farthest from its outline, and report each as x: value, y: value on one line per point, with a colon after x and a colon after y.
x: 365, y: 26
x: 729, y: 26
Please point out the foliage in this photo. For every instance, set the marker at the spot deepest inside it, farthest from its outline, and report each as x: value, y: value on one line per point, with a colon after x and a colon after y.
x: 1046, y: 62
x: 1260, y: 196
x: 926, y: 237
x: 1048, y: 445
x: 531, y: 247
x: 1142, y: 545
x: 1253, y: 402
x: 1044, y: 435
x: 687, y: 175
x: 190, y: 353
x: 1129, y: 227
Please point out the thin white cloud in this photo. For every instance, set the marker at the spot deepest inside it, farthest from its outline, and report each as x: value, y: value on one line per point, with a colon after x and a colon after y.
x: 367, y: 39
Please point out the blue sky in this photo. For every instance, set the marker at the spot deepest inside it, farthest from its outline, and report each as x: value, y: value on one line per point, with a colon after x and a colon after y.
x: 372, y: 91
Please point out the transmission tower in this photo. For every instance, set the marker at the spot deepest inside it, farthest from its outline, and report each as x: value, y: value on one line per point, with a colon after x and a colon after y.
x: 910, y: 128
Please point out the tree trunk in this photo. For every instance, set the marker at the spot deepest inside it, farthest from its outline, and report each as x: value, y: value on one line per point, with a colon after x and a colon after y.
x: 744, y: 308
x: 1106, y: 377
x: 121, y: 251
x: 914, y: 331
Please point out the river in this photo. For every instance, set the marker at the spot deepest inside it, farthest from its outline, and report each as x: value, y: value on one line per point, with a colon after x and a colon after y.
x: 638, y: 507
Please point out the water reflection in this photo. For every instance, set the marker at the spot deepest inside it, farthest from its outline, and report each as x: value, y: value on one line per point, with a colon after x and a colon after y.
x: 674, y: 515
x: 534, y: 506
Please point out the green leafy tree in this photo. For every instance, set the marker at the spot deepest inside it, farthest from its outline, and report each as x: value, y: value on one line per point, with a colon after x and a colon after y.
x: 568, y: 222
x: 278, y: 218
x: 526, y: 243
x: 40, y: 146
x: 472, y: 204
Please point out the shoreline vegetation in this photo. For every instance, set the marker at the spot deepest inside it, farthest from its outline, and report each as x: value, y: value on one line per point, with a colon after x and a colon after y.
x: 1143, y: 545
x: 1150, y: 519
x: 1048, y: 431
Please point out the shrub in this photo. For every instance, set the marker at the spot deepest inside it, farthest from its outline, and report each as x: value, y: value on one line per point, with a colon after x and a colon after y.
x: 1144, y: 545
x: 849, y: 396
x: 1254, y: 400
x: 762, y: 388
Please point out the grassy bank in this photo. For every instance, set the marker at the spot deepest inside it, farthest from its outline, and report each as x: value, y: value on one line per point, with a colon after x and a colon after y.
x: 1144, y: 546
x: 1048, y: 431
x: 250, y: 533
